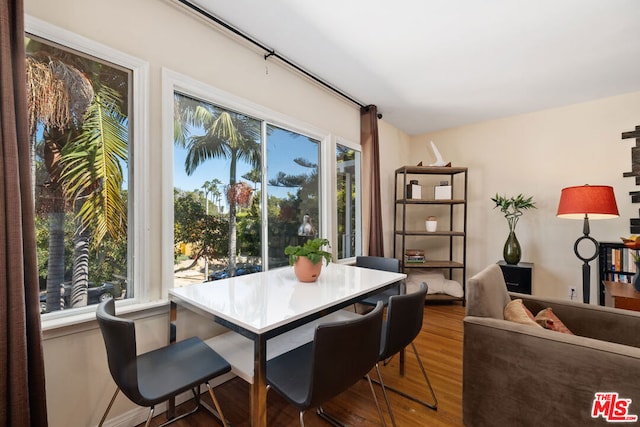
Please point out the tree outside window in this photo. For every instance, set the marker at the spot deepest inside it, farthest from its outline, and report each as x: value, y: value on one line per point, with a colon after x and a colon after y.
x: 79, y: 130
x: 219, y: 153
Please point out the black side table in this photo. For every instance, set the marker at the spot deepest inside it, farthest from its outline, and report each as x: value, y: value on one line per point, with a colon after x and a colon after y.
x: 518, y: 276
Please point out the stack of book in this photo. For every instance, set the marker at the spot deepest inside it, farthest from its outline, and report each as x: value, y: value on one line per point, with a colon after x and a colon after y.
x: 414, y: 256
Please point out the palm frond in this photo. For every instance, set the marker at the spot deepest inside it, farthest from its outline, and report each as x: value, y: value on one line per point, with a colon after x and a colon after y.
x: 92, y: 166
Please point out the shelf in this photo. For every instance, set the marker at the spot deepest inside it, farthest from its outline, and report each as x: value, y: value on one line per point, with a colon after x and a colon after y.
x: 430, y: 233
x: 430, y: 170
x: 450, y: 248
x: 614, y: 258
x: 435, y: 264
x: 442, y: 297
x: 430, y: 202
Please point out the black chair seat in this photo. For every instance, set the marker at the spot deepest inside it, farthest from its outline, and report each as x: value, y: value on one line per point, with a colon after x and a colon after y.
x: 381, y: 296
x: 179, y: 367
x: 340, y: 354
x: 158, y: 375
x: 382, y: 264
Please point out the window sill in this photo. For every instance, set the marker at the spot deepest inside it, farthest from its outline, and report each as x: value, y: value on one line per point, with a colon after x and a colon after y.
x: 60, y: 325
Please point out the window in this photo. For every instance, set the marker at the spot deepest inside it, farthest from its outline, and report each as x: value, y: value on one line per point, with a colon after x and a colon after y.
x: 243, y: 187
x: 293, y: 191
x: 81, y: 109
x: 227, y: 167
x: 348, y: 202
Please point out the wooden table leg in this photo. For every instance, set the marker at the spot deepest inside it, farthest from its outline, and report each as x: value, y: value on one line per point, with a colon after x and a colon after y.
x: 258, y: 389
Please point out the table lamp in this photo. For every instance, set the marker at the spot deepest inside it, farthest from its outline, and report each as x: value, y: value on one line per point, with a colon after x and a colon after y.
x: 584, y: 202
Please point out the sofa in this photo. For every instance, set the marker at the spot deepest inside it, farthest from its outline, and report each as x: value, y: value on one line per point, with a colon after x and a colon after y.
x: 518, y: 374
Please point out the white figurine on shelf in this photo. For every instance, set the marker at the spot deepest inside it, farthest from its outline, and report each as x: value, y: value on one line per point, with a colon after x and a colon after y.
x: 439, y: 160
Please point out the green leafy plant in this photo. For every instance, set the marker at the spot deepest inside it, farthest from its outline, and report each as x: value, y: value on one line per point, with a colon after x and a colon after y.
x: 513, y: 207
x: 311, y: 249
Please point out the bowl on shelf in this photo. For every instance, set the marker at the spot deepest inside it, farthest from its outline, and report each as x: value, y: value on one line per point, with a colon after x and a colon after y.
x: 631, y: 243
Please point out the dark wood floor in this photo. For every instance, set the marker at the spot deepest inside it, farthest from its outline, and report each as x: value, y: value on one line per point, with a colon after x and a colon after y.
x: 440, y: 346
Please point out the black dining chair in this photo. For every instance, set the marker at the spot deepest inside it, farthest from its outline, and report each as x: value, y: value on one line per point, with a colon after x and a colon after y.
x: 340, y: 355
x: 383, y: 264
x: 156, y: 376
x: 400, y: 328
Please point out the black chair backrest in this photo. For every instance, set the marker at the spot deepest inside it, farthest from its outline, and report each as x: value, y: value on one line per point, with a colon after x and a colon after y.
x: 403, y: 322
x: 120, y: 341
x: 343, y: 353
x: 378, y: 263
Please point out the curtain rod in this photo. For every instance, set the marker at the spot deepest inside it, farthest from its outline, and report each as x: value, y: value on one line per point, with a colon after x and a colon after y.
x: 269, y: 52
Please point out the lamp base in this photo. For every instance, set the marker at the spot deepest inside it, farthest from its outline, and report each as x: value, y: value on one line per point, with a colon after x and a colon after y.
x: 586, y: 269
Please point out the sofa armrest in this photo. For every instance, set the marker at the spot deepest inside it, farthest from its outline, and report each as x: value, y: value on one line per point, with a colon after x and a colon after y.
x: 593, y: 321
x: 516, y: 374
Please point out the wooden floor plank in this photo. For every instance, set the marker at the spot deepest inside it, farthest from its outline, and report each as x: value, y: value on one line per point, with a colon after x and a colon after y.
x: 440, y: 347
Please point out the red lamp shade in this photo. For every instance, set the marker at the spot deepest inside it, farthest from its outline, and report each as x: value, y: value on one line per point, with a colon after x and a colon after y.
x: 596, y: 201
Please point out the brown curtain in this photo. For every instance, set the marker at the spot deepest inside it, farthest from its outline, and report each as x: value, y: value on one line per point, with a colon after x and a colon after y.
x: 371, y: 150
x: 22, y: 390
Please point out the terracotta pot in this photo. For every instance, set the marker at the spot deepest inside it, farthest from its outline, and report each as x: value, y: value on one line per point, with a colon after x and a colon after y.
x: 305, y: 270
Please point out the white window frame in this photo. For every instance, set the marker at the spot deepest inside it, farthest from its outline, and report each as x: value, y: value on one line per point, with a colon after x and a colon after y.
x: 173, y: 81
x: 358, y: 148
x: 138, y: 253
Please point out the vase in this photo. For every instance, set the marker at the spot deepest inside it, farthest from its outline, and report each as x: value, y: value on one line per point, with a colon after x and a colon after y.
x: 512, y: 252
x: 305, y: 270
x: 431, y: 224
x: 636, y: 278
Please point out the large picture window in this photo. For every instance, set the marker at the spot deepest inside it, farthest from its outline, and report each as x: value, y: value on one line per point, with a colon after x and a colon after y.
x: 79, y: 109
x: 227, y: 167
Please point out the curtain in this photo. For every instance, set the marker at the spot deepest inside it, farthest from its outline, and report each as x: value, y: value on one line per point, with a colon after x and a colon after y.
x: 22, y: 388
x: 371, y: 149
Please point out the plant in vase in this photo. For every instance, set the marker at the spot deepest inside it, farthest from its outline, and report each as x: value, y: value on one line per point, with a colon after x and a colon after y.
x: 513, y: 208
x: 307, y: 259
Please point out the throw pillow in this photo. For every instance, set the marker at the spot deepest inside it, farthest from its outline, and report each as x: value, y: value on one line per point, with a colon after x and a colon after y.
x: 548, y: 320
x: 515, y: 311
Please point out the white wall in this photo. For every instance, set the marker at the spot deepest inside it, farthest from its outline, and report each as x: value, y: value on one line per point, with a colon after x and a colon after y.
x: 538, y: 154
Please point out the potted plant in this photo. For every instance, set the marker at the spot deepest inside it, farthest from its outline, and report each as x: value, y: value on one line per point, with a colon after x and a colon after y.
x: 307, y: 259
x: 513, y: 208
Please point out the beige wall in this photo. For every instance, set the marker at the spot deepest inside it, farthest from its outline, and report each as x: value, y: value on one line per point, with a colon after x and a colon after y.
x: 78, y: 383
x: 535, y: 154
x: 538, y: 154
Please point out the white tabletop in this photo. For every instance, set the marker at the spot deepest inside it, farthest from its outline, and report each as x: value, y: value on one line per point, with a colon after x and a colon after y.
x: 261, y: 302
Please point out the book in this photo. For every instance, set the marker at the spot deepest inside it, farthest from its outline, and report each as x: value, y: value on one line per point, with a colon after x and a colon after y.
x: 414, y: 252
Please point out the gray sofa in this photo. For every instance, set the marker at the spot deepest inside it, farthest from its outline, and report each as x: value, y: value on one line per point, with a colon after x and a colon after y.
x: 521, y: 375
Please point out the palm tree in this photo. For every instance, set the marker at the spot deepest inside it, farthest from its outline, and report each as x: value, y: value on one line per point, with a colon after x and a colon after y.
x: 226, y: 135
x: 83, y: 135
x: 92, y: 177
x: 216, y: 184
x: 58, y: 95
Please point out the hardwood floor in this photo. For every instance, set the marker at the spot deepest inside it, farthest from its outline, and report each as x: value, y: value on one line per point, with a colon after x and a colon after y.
x: 440, y: 347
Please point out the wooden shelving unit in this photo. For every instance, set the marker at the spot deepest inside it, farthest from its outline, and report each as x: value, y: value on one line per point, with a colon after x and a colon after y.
x: 615, y: 264
x: 452, y: 226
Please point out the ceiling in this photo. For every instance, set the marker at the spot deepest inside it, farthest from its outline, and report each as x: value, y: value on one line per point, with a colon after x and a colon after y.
x: 436, y: 64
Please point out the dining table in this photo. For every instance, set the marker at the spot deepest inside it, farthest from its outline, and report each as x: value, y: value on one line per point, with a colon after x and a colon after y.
x: 262, y: 307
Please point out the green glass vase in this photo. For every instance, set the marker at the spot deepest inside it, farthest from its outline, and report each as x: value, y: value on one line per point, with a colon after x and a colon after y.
x: 636, y: 278
x: 512, y: 252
